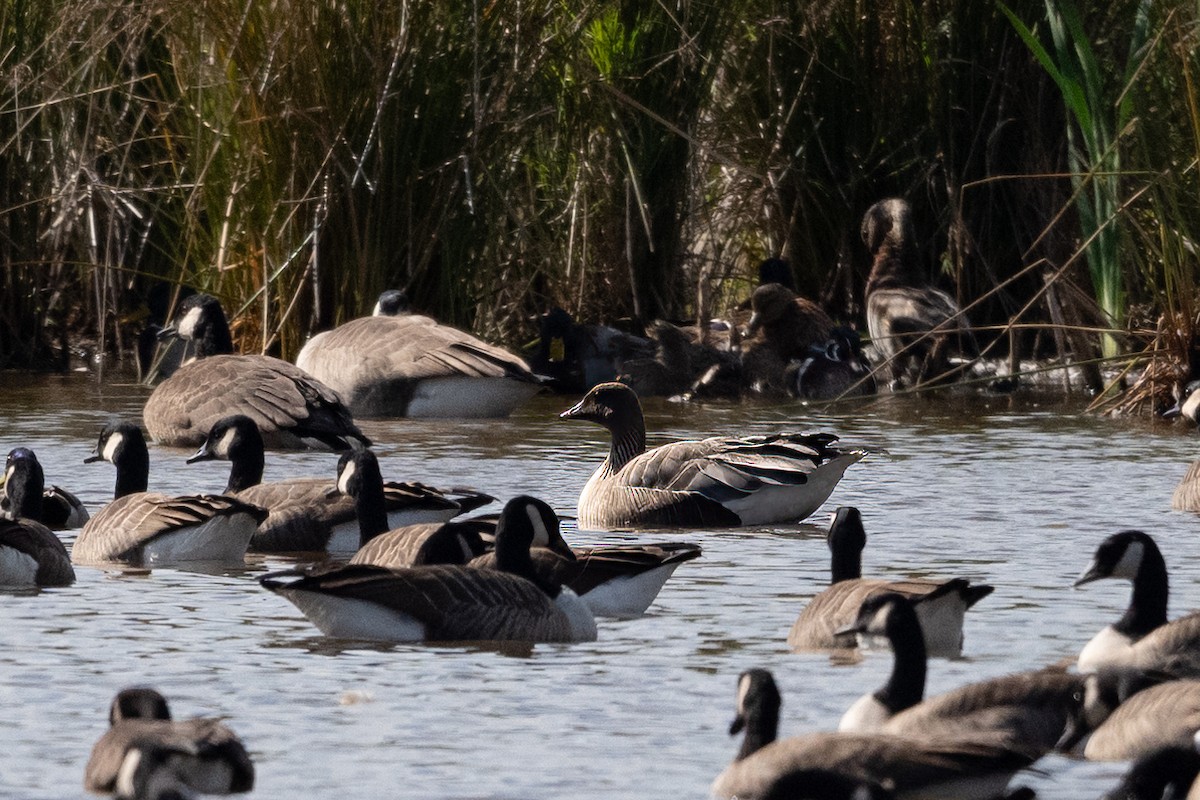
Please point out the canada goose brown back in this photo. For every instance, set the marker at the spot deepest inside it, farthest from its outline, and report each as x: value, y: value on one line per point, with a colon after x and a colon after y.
x: 26, y: 496
x: 290, y: 407
x: 31, y: 555
x: 720, y: 481
x: 940, y: 605
x: 203, y: 753
x: 1167, y: 772
x: 1116, y: 723
x: 412, y: 366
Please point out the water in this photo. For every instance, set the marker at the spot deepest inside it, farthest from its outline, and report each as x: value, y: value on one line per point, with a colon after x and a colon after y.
x: 1014, y: 494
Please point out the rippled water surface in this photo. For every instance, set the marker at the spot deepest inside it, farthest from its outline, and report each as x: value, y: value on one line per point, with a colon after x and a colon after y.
x: 1013, y: 492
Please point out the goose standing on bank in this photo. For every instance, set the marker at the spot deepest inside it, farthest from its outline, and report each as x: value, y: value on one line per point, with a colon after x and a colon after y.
x: 290, y: 407
x: 202, y: 753
x: 719, y: 482
x: 147, y: 528
x: 24, y: 478
x: 443, y: 603
x: 1142, y: 638
x: 940, y: 605
x: 408, y: 365
x: 305, y: 513
x: 1127, y: 714
x: 975, y: 766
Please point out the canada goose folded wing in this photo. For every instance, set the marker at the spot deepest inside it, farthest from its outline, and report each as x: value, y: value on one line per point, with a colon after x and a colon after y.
x: 122, y: 529
x: 31, y: 555
x: 1187, y: 494
x: 430, y: 543
x: 599, y: 565
x: 1164, y: 715
x: 205, y: 754
x: 288, y: 405
x: 433, y: 603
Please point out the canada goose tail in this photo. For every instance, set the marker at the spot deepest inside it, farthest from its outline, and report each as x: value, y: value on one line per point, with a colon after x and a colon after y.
x: 468, y: 499
x: 337, y: 442
x: 977, y: 592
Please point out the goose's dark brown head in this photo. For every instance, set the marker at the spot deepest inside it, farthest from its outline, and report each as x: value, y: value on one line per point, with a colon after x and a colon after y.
x: 888, y: 221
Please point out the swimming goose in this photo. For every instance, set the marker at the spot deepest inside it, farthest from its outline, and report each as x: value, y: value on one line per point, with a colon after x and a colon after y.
x: 202, y: 753
x: 443, y: 602
x: 304, y: 515
x: 962, y: 766
x: 940, y: 605
x: 1126, y: 715
x: 412, y: 366
x: 291, y: 408
x: 912, y: 326
x: 24, y: 478
x: 1169, y: 772
x: 721, y: 482
x: 148, y: 528
x: 890, y: 616
x: 1142, y: 637
x: 31, y: 555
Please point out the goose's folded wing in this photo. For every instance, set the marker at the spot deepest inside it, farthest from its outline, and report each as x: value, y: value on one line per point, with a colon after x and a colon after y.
x: 131, y: 521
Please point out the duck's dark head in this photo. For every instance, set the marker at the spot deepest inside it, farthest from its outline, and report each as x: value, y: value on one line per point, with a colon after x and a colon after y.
x: 770, y: 303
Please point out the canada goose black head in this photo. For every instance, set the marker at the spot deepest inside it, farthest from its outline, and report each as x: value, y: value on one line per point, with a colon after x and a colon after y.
x: 235, y: 439
x: 846, y: 539
x: 613, y: 405
x: 138, y: 702
x: 123, y: 445
x: 528, y: 522
x: 757, y: 710
x: 1188, y: 405
x: 357, y: 470
x: 201, y: 319
x: 391, y: 303
x: 1128, y: 554
x: 24, y: 484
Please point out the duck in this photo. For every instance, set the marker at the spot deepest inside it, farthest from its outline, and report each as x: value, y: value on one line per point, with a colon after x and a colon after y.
x: 912, y: 326
x: 717, y: 482
x: 202, y: 753
x: 1028, y: 709
x: 940, y: 605
x: 786, y: 322
x: 832, y: 369
x: 144, y: 528
x: 293, y: 409
x: 1142, y: 637
x: 575, y: 357
x: 23, y: 479
x: 968, y: 765
x: 304, y: 513
x: 1169, y: 772
x: 410, y: 365
x: 1127, y: 714
x: 443, y: 602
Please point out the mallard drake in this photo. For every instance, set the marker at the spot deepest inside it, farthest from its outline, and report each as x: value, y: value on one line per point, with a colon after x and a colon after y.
x: 26, y: 496
x: 720, y: 481
x: 147, y: 528
x: 408, y: 365
x: 940, y: 605
x: 290, y: 407
x: 306, y: 514
x: 443, y: 603
x: 200, y: 753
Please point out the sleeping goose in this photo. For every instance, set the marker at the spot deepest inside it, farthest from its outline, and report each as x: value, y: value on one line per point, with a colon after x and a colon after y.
x: 715, y: 482
x: 940, y: 605
x: 304, y: 515
x: 443, y: 602
x: 202, y: 753
x: 146, y: 528
x: 412, y: 366
x: 24, y: 478
x: 960, y: 766
x: 1126, y: 715
x: 290, y: 407
x: 1028, y: 709
x: 912, y: 326
x: 1142, y: 638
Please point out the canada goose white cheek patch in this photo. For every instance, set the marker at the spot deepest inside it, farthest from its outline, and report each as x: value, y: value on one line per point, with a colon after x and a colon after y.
x: 743, y: 690
x: 541, y: 536
x: 226, y: 442
x: 187, y: 325
x: 345, y: 476
x: 1191, y: 406
x: 111, y: 445
x: 1130, y: 561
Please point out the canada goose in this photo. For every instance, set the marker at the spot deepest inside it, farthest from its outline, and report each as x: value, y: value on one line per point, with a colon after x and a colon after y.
x: 291, y: 408
x: 940, y: 605
x: 910, y: 325
x: 147, y: 528
x: 891, y: 616
x: 412, y: 366
x: 391, y: 303
x: 443, y: 602
x: 202, y: 753
x: 831, y: 369
x: 973, y: 766
x: 304, y: 515
x: 1169, y: 772
x: 1142, y: 637
x: 1128, y: 714
x: 1187, y: 494
x: 711, y: 482
x: 31, y: 555
x: 23, y: 480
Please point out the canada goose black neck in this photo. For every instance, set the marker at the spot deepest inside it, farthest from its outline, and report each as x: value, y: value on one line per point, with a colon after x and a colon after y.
x: 25, y: 484
x: 359, y: 477
x: 138, y: 703
x: 614, y: 406
x: 846, y: 541
x: 905, y: 687
x: 757, y: 711
x: 523, y: 521
x: 123, y: 444
x: 1134, y: 555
